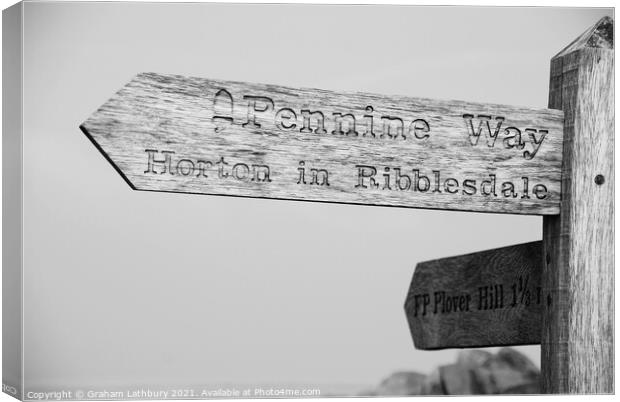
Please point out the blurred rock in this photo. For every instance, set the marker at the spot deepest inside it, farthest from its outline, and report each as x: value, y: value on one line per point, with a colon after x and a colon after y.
x: 506, y: 371
x: 460, y: 380
x: 432, y: 384
x: 475, y: 372
x: 473, y: 357
x: 518, y: 361
x: 401, y: 383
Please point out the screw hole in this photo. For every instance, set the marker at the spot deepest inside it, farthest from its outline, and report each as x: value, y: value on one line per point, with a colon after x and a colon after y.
x: 599, y: 179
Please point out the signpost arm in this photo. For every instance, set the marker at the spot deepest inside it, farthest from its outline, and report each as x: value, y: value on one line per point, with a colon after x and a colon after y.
x: 577, y: 333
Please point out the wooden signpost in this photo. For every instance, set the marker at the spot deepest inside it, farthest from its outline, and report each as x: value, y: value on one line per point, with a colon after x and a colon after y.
x: 194, y: 135
x: 578, y: 244
x: 483, y: 299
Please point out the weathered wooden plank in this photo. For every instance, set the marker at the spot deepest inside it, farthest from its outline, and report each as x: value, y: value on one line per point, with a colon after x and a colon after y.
x: 490, y: 298
x: 577, y: 339
x: 194, y: 135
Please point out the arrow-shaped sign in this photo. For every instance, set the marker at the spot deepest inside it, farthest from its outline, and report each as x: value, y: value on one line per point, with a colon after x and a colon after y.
x: 490, y: 298
x: 194, y: 135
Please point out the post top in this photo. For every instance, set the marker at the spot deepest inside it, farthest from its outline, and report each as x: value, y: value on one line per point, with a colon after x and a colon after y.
x: 600, y: 35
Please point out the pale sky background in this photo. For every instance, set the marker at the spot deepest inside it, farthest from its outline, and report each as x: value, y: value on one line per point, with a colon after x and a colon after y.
x: 127, y: 288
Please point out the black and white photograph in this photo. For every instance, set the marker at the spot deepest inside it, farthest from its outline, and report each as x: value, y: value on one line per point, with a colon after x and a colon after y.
x: 218, y: 200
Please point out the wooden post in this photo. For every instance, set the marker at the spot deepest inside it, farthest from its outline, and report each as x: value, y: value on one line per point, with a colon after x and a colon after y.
x: 577, y: 332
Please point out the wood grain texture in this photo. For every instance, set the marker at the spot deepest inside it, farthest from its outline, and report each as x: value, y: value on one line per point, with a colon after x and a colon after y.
x: 577, y: 339
x: 194, y: 135
x: 490, y: 298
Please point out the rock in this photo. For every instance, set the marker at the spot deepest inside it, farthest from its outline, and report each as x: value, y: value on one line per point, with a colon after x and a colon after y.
x: 459, y: 380
x: 506, y: 371
x: 473, y: 358
x: 475, y: 372
x: 511, y: 370
x: 432, y: 384
x: 401, y: 383
x: 518, y: 361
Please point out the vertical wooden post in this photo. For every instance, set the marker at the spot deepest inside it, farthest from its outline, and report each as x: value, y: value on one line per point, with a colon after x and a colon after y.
x: 577, y: 331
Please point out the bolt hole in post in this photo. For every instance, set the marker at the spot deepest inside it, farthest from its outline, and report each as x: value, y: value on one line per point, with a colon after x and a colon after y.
x: 599, y: 179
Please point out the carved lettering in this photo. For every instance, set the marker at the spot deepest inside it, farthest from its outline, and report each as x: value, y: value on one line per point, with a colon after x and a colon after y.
x: 319, y: 118
x: 222, y: 110
x: 487, y: 297
x: 397, y: 178
x: 285, y: 119
x: 165, y: 165
x: 189, y: 167
x: 349, y: 119
x: 261, y: 112
x: 259, y: 104
x: 512, y: 136
x: 392, y: 127
x: 483, y: 127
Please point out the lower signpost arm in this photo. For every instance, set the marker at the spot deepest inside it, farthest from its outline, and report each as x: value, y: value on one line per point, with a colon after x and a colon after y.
x: 577, y: 333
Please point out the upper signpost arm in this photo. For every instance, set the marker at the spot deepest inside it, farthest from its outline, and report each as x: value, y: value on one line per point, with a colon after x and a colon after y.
x: 577, y: 331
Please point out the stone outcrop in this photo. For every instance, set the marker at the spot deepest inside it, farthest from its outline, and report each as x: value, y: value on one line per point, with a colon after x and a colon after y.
x: 401, y: 383
x: 475, y: 372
